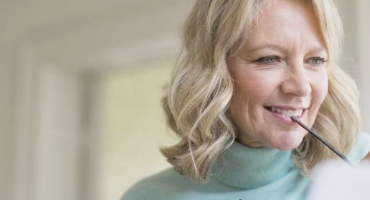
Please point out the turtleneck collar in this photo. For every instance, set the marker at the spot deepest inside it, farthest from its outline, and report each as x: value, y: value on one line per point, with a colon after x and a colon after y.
x: 247, y: 168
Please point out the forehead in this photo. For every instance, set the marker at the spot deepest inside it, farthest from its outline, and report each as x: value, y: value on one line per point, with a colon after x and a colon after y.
x: 286, y: 21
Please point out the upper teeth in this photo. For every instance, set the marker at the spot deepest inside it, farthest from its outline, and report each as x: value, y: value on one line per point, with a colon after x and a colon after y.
x: 288, y: 113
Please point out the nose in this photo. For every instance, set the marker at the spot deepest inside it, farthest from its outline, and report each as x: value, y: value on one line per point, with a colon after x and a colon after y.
x: 296, y: 82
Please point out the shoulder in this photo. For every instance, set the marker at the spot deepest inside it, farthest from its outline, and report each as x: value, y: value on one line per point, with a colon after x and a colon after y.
x: 361, y: 148
x: 159, y: 186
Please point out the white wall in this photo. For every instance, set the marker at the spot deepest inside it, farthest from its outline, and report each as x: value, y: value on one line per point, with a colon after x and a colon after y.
x: 356, y: 48
x: 134, y: 126
x: 78, y: 36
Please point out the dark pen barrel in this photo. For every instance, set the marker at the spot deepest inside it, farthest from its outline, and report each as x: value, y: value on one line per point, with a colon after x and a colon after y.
x: 319, y: 137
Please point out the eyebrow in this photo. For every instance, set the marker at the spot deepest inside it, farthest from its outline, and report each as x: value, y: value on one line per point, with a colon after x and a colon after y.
x: 282, y: 48
x: 267, y: 46
x: 318, y: 50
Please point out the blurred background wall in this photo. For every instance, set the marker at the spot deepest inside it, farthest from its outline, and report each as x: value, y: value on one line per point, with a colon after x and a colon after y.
x: 65, y: 65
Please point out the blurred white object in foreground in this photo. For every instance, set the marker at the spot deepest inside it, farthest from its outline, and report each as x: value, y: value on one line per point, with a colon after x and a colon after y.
x: 338, y: 181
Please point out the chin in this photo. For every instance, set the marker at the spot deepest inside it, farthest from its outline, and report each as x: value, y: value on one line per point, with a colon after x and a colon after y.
x: 288, y: 147
x: 289, y: 143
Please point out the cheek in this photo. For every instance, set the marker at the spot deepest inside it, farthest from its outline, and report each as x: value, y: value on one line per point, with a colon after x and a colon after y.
x: 320, y: 88
x: 253, y: 86
x: 249, y: 97
x: 244, y: 97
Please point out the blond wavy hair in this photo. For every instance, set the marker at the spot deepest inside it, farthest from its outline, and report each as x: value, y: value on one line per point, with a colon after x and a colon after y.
x: 198, y: 96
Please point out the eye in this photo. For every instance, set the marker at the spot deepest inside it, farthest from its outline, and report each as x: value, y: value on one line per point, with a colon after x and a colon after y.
x: 268, y: 60
x: 316, y: 61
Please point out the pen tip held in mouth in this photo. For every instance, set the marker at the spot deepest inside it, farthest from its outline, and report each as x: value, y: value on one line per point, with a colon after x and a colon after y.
x: 294, y: 118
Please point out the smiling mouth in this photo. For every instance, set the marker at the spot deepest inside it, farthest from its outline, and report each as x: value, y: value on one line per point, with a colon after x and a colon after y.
x: 288, y: 113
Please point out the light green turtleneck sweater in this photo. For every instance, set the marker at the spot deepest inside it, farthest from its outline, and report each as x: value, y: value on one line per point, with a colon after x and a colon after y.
x: 240, y: 173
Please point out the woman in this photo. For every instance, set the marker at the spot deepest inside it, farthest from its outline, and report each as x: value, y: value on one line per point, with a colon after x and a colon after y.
x: 247, y: 67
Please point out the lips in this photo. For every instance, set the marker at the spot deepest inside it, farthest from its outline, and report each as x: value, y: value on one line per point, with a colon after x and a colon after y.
x: 286, y: 112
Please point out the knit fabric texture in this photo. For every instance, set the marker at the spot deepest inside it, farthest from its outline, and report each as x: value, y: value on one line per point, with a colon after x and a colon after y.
x: 240, y: 173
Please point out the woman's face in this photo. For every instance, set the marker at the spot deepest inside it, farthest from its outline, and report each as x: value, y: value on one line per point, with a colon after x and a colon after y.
x: 280, y: 72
